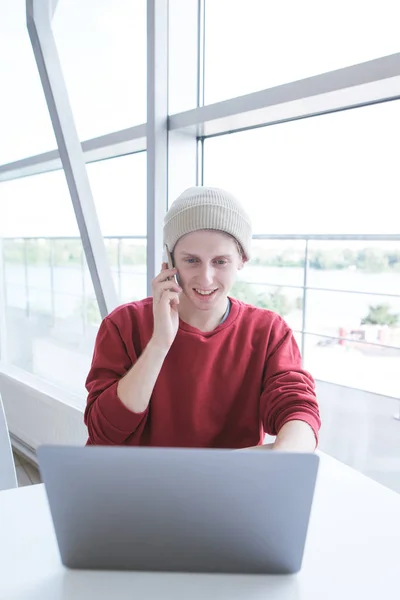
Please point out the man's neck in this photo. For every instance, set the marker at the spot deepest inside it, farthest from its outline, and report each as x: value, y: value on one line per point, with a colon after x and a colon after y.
x: 204, y: 320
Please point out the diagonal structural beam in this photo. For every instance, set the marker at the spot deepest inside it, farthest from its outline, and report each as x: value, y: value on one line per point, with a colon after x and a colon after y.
x: 39, y: 16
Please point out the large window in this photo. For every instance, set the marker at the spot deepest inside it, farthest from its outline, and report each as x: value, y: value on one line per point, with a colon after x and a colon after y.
x: 334, y: 174
x: 102, y: 49
x: 51, y: 313
x: 353, y: 307
x: 51, y: 310
x: 348, y: 311
x: 25, y: 126
x: 254, y: 44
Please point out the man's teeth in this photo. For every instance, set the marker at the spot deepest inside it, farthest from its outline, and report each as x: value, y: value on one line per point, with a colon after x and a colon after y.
x: 205, y: 292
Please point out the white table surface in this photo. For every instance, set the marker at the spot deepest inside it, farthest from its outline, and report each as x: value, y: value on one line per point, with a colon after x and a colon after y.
x: 352, y: 552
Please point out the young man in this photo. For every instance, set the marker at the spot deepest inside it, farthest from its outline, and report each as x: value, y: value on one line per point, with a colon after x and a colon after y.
x: 191, y: 367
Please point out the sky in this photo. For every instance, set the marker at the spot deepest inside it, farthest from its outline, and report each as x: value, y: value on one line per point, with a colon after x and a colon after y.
x: 330, y: 174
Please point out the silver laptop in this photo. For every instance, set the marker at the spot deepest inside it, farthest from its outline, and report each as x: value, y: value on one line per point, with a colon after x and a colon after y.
x: 188, y: 510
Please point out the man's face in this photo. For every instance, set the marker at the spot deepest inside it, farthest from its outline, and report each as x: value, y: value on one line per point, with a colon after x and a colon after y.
x: 207, y: 263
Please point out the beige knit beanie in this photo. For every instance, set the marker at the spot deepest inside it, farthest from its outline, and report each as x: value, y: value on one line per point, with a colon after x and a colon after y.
x: 207, y: 208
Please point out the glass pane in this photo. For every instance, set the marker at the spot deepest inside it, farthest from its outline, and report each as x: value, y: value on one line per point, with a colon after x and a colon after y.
x: 273, y: 279
x: 372, y: 318
x: 362, y: 430
x: 298, y: 336
x: 102, y: 49
x: 127, y: 257
x: 50, y: 307
x: 361, y: 266
x: 301, y: 177
x: 353, y: 364
x: 278, y: 262
x: 286, y: 302
x: 25, y: 124
x: 119, y: 192
x: 252, y: 44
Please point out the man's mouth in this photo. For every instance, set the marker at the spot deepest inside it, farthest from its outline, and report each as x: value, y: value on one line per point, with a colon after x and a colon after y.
x: 204, y: 293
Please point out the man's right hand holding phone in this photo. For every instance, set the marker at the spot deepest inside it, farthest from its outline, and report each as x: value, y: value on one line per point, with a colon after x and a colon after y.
x: 166, y: 293
x: 135, y: 388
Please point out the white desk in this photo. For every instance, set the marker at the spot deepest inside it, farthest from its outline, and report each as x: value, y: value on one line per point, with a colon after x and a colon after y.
x: 353, y: 552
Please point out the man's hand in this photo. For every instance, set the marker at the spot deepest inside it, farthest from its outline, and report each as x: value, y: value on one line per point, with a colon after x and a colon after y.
x: 165, y: 308
x: 294, y: 436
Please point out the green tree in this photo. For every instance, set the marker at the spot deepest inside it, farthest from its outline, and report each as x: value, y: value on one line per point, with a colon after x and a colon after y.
x: 134, y: 254
x: 245, y: 292
x: 380, y: 315
x: 67, y: 252
x: 372, y: 259
x: 394, y: 260
x: 275, y: 301
x: 327, y: 259
x: 93, y: 312
x: 349, y: 257
x: 91, y: 308
x: 278, y: 302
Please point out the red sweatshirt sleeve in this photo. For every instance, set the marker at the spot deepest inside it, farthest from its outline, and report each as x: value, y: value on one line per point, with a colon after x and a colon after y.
x: 288, y: 390
x: 108, y: 420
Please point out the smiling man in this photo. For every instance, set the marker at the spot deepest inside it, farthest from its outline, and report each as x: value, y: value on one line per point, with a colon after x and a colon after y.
x: 191, y: 366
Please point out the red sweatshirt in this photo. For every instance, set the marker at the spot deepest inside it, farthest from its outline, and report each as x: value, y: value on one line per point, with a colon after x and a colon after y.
x: 221, y: 389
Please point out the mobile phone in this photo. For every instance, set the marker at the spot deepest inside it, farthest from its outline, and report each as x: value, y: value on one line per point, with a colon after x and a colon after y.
x: 169, y: 261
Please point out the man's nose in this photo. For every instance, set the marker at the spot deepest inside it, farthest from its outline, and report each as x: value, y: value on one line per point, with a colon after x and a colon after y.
x: 206, y: 275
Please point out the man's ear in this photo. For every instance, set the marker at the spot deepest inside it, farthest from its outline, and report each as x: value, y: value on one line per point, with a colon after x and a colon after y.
x: 242, y: 262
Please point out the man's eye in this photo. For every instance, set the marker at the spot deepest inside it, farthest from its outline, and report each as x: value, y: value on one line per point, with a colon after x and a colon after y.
x: 190, y: 260
x: 221, y: 262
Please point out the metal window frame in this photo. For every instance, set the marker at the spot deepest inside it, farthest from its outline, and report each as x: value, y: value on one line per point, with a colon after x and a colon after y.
x: 110, y: 145
x: 367, y: 83
x: 157, y: 134
x: 186, y: 78
x: 39, y: 15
